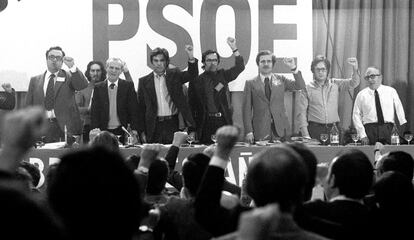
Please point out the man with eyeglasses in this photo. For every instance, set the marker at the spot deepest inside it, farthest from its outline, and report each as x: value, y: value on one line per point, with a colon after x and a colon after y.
x: 209, y: 95
x: 264, y: 113
x: 55, y: 91
x: 318, y: 103
x: 374, y: 109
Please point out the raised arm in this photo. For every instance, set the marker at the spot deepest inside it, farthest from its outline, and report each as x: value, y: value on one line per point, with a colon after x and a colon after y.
x: 192, y: 71
x: 76, y: 77
x: 355, y: 79
x: 208, y: 211
x: 296, y: 84
x: 232, y: 73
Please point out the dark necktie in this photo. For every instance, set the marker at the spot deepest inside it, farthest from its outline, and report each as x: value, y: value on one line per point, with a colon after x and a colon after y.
x: 50, y: 93
x: 112, y: 86
x: 380, y: 116
x: 267, y: 88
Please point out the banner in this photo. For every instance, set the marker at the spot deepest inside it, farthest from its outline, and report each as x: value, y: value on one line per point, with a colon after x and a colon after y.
x: 129, y: 29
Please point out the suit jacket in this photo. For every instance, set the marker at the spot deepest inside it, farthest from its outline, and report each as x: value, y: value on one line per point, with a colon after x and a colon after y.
x: 126, y: 105
x: 7, y: 100
x: 258, y: 111
x: 66, y: 111
x: 286, y: 229
x: 147, y: 98
x: 353, y: 220
x: 197, y: 94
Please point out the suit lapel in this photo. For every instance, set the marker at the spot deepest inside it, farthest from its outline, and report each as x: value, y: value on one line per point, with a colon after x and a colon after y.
x: 120, y: 94
x: 150, y: 86
x: 259, y: 85
x: 58, y: 84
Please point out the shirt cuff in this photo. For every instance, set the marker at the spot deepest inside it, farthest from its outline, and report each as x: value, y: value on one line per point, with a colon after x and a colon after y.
x: 218, y: 162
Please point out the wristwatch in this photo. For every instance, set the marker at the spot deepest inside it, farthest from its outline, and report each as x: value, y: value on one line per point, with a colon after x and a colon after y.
x: 145, y: 229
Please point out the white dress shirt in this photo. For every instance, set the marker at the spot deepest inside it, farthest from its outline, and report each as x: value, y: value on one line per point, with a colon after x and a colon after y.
x: 113, y: 112
x: 365, y: 111
x: 163, y: 97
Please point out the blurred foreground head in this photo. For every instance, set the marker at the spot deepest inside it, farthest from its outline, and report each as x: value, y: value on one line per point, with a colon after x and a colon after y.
x: 96, y: 195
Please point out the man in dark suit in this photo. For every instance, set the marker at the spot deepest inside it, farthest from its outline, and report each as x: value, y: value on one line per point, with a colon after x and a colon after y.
x: 350, y: 177
x: 7, y: 99
x: 161, y: 98
x: 209, y: 95
x: 114, y: 102
x: 276, y: 175
x: 55, y: 91
x: 264, y: 113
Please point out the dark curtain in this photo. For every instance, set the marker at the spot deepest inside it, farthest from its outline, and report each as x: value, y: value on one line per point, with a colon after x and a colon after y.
x: 379, y: 33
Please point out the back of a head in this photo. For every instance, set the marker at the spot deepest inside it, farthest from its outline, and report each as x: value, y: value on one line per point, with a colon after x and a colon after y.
x: 353, y: 173
x: 107, y: 140
x: 394, y: 193
x: 22, y: 218
x: 311, y: 164
x: 193, y: 171
x: 399, y: 161
x: 96, y: 195
x: 277, y: 175
x: 157, y: 177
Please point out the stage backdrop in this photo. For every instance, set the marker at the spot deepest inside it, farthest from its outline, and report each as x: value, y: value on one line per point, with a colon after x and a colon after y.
x: 98, y: 29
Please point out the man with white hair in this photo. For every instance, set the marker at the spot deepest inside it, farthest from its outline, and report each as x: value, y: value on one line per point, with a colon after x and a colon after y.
x: 114, y: 102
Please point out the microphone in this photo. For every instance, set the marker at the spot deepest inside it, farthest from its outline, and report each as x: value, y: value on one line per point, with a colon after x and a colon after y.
x: 129, y: 134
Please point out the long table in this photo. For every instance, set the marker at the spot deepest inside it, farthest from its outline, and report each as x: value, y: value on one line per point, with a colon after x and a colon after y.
x: 236, y: 169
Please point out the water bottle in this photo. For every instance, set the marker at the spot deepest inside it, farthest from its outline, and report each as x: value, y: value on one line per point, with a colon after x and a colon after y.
x: 334, y: 136
x: 395, y: 136
x: 128, y: 137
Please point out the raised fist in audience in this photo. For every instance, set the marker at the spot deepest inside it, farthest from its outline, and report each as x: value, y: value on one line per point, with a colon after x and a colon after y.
x: 226, y: 139
x: 20, y: 131
x: 7, y: 87
x: 179, y: 138
x: 148, y: 154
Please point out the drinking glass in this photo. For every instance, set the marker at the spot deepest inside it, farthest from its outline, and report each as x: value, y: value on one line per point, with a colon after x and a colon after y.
x: 355, y: 138
x: 41, y: 142
x: 408, y: 137
x: 324, y: 138
x: 119, y: 139
x: 214, y: 138
x: 190, y: 139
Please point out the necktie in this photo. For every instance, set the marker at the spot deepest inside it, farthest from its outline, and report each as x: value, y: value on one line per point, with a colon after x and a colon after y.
x: 267, y: 88
x: 50, y: 93
x: 112, y: 86
x: 380, y: 116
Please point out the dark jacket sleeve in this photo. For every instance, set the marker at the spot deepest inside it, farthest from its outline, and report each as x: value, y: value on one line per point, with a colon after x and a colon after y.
x: 174, y: 177
x: 7, y: 100
x: 233, y: 72
x: 95, y: 109
x: 141, y: 106
x: 133, y: 107
x: 191, y: 73
x: 208, y: 212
